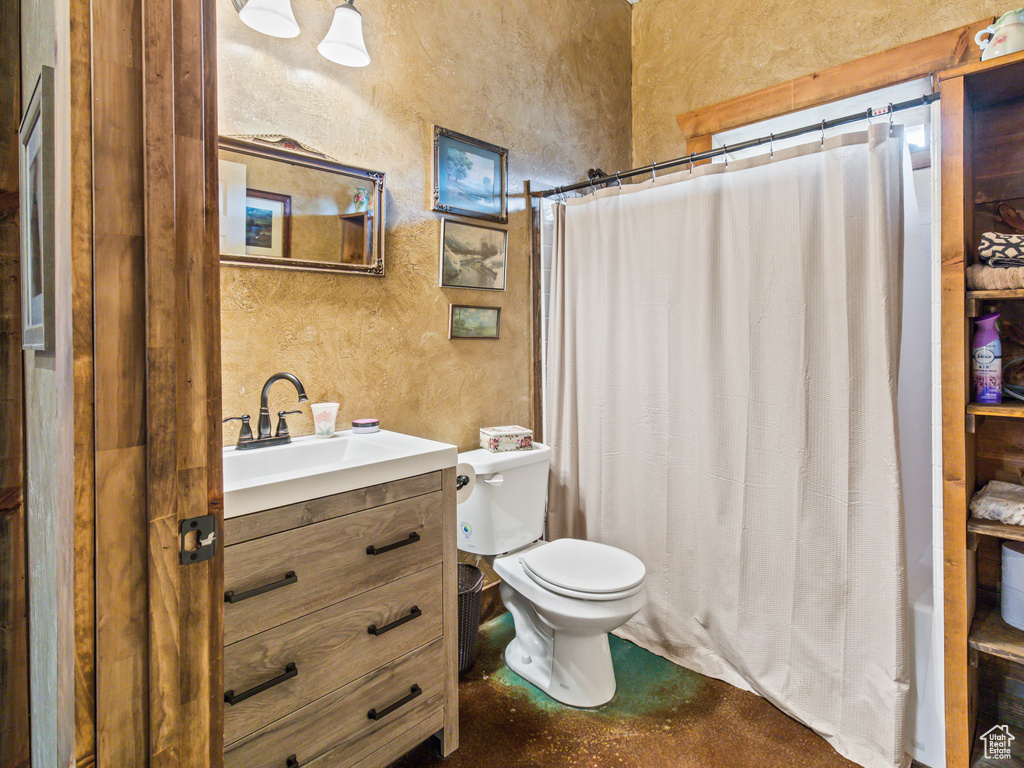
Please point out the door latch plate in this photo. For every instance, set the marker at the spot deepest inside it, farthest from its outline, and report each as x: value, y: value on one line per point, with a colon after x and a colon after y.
x: 198, y: 539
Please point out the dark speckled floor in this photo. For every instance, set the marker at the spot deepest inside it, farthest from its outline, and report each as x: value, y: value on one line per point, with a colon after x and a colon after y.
x: 663, y: 716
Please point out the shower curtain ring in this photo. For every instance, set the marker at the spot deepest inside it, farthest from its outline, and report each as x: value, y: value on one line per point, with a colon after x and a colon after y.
x: 725, y: 154
x: 823, y: 133
x: 771, y: 145
x: 618, y: 181
x: 654, y: 170
x: 691, y: 163
x: 890, y: 118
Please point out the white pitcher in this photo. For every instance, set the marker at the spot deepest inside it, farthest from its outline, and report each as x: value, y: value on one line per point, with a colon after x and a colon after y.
x: 1006, y: 35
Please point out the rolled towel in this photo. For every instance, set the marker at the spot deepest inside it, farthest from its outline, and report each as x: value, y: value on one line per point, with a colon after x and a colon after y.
x: 983, y: 278
x: 1001, y: 250
x: 999, y: 501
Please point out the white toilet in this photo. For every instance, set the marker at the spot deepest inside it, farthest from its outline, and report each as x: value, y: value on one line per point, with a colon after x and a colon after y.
x: 565, y: 596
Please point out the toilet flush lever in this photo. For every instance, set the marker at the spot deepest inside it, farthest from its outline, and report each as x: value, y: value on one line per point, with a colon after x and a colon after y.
x: 461, y: 482
x: 495, y: 479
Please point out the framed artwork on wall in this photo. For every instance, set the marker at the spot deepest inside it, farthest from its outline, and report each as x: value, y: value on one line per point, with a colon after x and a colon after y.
x: 472, y: 256
x: 470, y: 177
x: 268, y: 224
x: 469, y: 322
x: 36, y: 171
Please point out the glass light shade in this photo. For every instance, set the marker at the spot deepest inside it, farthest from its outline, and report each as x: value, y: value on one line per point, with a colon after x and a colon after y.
x: 343, y: 43
x: 271, y: 17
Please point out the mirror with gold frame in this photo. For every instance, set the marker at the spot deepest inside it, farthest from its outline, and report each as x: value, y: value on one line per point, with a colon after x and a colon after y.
x: 286, y: 206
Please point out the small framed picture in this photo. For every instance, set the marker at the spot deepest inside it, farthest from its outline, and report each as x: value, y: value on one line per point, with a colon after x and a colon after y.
x: 470, y: 177
x: 467, y: 322
x: 472, y: 256
x: 37, y: 217
x: 268, y: 224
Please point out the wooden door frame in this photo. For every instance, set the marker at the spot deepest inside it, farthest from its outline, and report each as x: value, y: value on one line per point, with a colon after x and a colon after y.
x: 14, y: 703
x: 158, y: 642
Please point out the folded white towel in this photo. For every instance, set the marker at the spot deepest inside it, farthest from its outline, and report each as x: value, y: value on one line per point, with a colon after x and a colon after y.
x: 999, y: 501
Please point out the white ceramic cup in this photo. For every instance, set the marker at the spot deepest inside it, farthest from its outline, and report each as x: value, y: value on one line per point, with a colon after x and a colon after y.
x: 325, y: 416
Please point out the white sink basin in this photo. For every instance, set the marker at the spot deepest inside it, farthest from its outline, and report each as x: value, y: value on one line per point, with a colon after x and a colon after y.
x: 310, y: 467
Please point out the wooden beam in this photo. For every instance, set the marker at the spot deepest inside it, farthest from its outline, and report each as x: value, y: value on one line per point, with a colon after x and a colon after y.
x: 14, y: 709
x: 121, y: 573
x: 957, y: 443
x: 896, y: 65
x: 84, y: 383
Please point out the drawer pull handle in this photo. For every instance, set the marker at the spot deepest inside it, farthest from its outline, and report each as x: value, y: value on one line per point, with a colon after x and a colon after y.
x: 415, y: 691
x: 415, y: 613
x: 291, y: 762
x: 232, y: 597
x: 372, y: 550
x: 290, y: 671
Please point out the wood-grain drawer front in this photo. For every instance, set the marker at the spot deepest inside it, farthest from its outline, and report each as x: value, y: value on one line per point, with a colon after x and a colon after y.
x: 271, y: 521
x: 339, y: 721
x: 330, y: 562
x: 330, y: 648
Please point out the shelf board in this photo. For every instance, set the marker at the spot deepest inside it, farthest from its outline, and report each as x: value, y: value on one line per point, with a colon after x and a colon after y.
x: 1009, y: 293
x: 1005, y: 410
x: 996, y: 529
x: 991, y: 635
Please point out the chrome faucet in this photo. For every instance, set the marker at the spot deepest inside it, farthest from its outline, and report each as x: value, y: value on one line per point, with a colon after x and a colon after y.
x: 263, y: 437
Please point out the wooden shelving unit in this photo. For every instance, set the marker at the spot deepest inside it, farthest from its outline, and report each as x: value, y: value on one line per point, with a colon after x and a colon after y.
x: 1011, y: 410
x: 991, y: 635
x: 982, y: 167
x: 996, y: 530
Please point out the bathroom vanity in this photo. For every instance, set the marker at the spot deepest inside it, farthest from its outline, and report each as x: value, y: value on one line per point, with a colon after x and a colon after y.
x: 340, y: 615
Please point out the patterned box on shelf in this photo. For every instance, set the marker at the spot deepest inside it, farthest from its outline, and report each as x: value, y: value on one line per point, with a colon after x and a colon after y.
x: 507, y: 438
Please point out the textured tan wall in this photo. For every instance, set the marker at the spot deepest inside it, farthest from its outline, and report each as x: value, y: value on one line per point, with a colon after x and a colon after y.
x: 548, y: 79
x: 688, y: 53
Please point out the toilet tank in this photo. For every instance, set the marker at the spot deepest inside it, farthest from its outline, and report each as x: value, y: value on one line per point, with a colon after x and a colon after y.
x: 505, y: 507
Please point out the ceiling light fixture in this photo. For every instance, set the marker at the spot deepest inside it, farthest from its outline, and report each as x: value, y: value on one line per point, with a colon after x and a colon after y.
x: 271, y: 17
x: 343, y: 43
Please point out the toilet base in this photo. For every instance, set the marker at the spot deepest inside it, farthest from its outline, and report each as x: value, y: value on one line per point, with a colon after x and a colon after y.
x: 570, y: 668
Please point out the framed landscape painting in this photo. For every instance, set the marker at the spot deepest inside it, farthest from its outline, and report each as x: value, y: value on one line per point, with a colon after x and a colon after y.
x: 472, y: 256
x: 466, y: 322
x: 268, y: 224
x: 470, y: 177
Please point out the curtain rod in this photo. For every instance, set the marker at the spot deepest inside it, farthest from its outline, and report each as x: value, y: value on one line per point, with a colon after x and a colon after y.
x: 692, y: 158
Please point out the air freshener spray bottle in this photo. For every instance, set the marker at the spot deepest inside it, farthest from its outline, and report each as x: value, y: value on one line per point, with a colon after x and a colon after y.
x: 987, y: 360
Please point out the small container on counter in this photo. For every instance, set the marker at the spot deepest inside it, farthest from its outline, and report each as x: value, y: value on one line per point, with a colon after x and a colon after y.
x: 365, y: 426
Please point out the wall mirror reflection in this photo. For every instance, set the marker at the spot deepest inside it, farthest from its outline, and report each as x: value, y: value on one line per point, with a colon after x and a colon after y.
x: 287, y: 206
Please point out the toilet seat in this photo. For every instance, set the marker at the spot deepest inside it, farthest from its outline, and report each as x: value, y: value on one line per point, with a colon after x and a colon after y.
x: 585, y: 570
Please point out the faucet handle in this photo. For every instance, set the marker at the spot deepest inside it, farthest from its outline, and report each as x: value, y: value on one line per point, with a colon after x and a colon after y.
x: 245, y: 433
x: 282, y: 425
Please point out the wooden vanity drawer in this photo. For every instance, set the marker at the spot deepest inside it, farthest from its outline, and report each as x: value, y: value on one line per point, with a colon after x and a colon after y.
x: 317, y: 565
x: 341, y: 722
x: 329, y: 648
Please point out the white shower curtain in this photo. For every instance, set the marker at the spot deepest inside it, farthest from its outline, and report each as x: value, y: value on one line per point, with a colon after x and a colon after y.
x: 721, y: 402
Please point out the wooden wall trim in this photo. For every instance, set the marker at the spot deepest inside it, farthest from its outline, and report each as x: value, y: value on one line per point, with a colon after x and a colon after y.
x: 121, y: 572
x: 14, y: 706
x: 896, y: 65
x: 82, y: 355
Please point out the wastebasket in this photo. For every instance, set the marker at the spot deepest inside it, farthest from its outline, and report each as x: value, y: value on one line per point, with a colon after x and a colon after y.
x: 471, y: 584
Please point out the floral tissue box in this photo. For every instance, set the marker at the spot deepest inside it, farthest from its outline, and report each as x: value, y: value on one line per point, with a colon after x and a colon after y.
x: 507, y: 438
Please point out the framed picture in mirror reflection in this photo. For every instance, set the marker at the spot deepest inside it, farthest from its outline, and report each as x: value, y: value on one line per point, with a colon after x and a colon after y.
x: 268, y: 224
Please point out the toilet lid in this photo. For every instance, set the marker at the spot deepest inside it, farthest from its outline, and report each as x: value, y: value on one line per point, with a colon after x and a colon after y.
x: 584, y: 566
